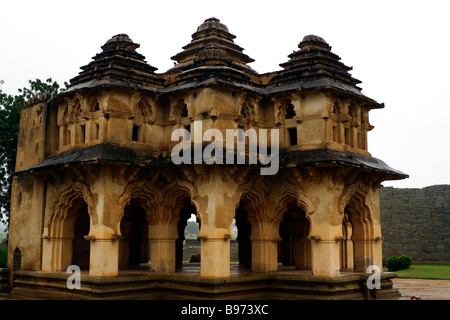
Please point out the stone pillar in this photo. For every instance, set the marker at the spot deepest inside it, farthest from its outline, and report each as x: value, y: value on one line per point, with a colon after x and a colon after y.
x: 348, y: 243
x: 362, y: 257
x: 162, y: 237
x: 104, y: 259
x: 216, y: 198
x: 376, y: 241
x: 264, y: 237
x: 377, y: 252
x: 56, y: 254
x: 215, y: 257
x: 106, y: 189
x: 324, y: 257
x: 325, y: 232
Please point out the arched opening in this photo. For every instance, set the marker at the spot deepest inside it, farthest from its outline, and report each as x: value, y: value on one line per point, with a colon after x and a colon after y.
x: 135, y: 133
x: 81, y: 248
x: 187, y: 246
x: 184, y: 111
x: 359, y: 231
x: 134, y: 248
x: 290, y: 112
x: 292, y: 133
x: 17, y: 259
x: 294, y: 249
x: 346, y: 244
x: 242, y: 239
x: 65, y: 243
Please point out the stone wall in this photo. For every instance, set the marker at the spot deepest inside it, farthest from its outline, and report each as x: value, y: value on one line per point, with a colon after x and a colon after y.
x: 192, y: 247
x: 416, y: 222
x: 4, y: 285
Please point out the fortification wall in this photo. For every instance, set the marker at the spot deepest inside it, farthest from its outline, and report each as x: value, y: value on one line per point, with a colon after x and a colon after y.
x: 416, y: 222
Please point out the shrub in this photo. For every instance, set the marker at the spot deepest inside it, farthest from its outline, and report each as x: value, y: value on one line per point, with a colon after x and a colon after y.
x: 3, y: 255
x: 398, y: 262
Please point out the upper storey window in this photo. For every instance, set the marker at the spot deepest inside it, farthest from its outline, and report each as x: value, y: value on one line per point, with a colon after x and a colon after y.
x: 290, y: 112
x: 184, y: 111
x: 135, y: 134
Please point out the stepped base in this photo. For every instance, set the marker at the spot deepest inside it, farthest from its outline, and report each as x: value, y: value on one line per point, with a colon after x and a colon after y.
x: 188, y: 285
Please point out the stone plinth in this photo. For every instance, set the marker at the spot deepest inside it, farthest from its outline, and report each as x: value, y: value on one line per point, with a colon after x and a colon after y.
x: 188, y: 285
x: 4, y: 285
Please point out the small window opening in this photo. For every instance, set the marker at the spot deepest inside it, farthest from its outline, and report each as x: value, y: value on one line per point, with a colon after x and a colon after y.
x: 97, y: 131
x: 82, y: 133
x: 135, y: 134
x: 17, y: 259
x: 290, y: 112
x: 184, y: 111
x: 243, y: 112
x: 335, y: 133
x: 347, y: 136
x: 292, y: 136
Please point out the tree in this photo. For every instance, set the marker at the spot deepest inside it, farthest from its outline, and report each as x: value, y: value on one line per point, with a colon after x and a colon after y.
x: 192, y: 229
x: 10, y: 107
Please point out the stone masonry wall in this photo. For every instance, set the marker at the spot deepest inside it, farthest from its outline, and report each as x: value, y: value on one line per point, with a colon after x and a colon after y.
x: 192, y: 247
x: 416, y: 222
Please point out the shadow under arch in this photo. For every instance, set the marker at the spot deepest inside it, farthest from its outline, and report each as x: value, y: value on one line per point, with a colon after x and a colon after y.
x: 294, y: 247
x: 134, y: 244
x: 66, y: 243
x: 282, y: 209
x: 186, y: 211
x: 356, y: 249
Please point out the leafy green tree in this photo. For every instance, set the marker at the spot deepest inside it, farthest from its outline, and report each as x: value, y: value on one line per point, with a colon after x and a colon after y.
x: 191, y: 231
x: 10, y: 107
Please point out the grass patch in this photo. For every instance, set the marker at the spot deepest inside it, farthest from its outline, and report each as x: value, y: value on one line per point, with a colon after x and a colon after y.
x: 426, y: 271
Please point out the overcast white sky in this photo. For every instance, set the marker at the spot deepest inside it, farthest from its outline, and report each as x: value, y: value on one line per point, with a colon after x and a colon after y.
x: 400, y: 50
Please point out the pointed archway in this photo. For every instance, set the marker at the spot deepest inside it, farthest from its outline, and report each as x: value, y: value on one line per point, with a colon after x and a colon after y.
x: 294, y: 249
x: 71, y: 216
x: 243, y: 238
x: 186, y: 213
x: 81, y: 248
x: 134, y: 246
x: 358, y: 225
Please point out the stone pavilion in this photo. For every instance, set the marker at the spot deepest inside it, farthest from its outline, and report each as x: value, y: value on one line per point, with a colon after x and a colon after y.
x: 95, y: 185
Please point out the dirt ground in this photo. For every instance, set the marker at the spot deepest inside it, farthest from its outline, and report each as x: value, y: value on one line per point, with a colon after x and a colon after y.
x: 423, y: 289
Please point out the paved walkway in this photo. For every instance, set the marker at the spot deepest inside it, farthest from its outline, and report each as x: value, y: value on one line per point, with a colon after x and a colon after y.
x: 423, y: 289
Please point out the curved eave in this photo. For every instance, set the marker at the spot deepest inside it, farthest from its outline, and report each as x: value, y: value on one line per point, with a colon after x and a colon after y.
x: 103, y: 153
x: 106, y: 153
x: 321, y: 84
x: 329, y: 157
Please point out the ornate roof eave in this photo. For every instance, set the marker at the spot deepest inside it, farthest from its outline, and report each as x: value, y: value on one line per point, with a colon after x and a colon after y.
x: 323, y: 84
x: 106, y: 153
x: 330, y: 157
x: 211, y: 81
x: 104, y: 84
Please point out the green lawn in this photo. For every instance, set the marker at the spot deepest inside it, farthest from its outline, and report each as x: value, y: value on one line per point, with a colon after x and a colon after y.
x: 426, y: 271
